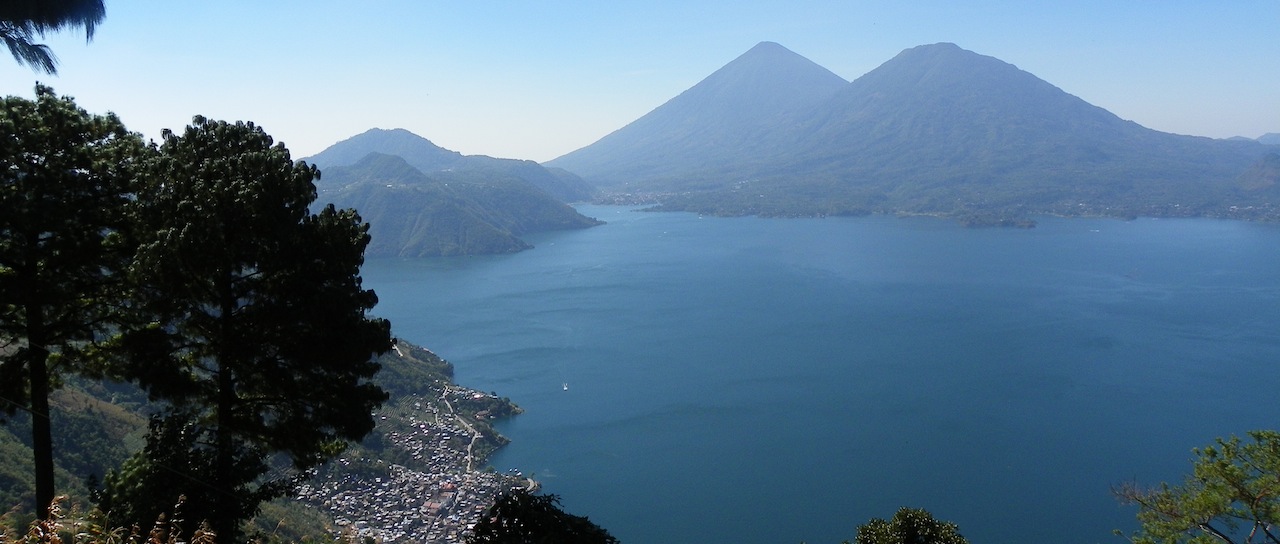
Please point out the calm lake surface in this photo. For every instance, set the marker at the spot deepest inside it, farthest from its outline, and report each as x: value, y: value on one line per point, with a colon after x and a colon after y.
x: 754, y: 380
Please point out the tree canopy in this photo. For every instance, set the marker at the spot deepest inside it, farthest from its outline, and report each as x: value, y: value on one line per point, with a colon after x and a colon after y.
x: 1231, y: 496
x: 65, y: 179
x: 909, y: 526
x: 255, y: 330
x: 520, y: 517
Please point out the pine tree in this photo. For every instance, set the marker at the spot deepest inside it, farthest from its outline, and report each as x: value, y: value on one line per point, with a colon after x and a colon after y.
x: 64, y: 185
x: 258, y: 330
x: 1231, y: 496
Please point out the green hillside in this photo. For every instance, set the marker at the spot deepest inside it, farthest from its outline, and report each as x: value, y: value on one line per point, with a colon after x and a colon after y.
x: 434, y: 160
x: 98, y: 426
x: 468, y: 212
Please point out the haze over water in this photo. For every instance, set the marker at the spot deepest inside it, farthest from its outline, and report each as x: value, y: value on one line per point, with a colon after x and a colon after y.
x: 754, y: 380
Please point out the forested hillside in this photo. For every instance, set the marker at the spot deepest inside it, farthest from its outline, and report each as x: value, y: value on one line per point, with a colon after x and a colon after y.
x: 466, y: 212
x: 431, y: 159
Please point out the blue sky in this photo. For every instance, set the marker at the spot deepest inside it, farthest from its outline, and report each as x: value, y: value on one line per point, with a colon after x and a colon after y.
x: 535, y: 80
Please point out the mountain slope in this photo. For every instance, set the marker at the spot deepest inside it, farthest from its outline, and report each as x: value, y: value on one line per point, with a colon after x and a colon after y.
x: 91, y: 435
x: 453, y: 213
x: 722, y: 122
x: 940, y: 116
x: 430, y: 159
x: 936, y: 129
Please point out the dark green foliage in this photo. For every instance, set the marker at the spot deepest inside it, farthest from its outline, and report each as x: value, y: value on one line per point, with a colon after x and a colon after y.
x: 909, y: 526
x: 197, y: 270
x: 172, y: 465
x: 176, y: 466
x: 257, y: 332
x: 1231, y: 496
x: 64, y: 185
x: 21, y: 21
x: 521, y: 517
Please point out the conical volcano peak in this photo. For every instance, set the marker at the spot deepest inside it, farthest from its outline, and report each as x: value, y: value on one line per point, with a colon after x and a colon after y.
x: 734, y: 108
x: 937, y: 128
x: 767, y: 48
x: 771, y: 60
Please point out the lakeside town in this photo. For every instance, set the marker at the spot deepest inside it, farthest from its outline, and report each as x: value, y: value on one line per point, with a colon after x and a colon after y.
x: 426, y: 478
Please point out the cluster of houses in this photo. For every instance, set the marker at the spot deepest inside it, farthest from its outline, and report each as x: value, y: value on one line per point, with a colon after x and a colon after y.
x: 433, y: 496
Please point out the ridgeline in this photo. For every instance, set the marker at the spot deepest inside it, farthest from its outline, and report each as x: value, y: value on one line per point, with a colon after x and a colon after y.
x: 422, y: 201
x: 936, y: 130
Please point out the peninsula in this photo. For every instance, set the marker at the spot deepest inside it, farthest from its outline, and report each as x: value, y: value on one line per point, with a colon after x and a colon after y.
x: 420, y: 476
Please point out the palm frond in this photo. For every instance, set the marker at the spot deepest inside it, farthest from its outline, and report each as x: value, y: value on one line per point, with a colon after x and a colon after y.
x: 36, y: 55
x: 43, y: 16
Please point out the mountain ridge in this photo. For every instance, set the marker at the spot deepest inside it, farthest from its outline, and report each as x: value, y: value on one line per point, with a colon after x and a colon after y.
x: 430, y: 158
x: 466, y: 212
x: 936, y: 129
x: 783, y: 83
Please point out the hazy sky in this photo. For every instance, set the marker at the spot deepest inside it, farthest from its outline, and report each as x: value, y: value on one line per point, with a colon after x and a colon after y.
x: 535, y: 80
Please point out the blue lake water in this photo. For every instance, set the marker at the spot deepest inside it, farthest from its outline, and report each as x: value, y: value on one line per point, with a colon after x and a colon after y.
x: 747, y: 380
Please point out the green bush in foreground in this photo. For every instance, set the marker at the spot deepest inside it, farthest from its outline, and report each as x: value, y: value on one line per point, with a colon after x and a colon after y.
x: 521, y: 517
x: 909, y: 526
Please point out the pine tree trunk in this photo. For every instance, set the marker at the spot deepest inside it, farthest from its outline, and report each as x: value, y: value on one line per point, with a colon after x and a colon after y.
x: 225, y: 504
x: 41, y: 427
x: 38, y: 379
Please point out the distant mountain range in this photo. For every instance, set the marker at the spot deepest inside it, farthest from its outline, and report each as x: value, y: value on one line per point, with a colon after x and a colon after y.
x: 430, y: 158
x: 937, y: 129
x: 423, y: 200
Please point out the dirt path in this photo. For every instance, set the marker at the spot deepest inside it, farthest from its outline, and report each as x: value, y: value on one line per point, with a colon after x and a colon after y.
x: 475, y: 435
